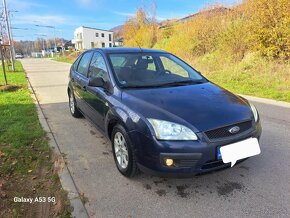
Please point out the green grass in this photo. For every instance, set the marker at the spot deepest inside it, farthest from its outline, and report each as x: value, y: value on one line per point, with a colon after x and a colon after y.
x: 253, y: 75
x: 25, y: 157
x: 19, y: 125
x: 65, y: 59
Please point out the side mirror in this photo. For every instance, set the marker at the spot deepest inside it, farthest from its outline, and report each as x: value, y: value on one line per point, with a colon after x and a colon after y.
x: 96, y: 82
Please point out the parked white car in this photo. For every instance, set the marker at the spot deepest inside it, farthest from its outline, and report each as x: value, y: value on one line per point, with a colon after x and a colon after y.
x: 19, y: 56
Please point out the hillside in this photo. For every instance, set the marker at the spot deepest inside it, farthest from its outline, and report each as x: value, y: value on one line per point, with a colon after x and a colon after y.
x: 245, y: 48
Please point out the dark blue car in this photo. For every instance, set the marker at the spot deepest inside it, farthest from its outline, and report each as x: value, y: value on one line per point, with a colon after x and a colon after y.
x: 161, y: 115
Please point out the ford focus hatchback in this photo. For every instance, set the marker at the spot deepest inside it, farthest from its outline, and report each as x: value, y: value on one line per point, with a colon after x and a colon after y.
x: 161, y: 115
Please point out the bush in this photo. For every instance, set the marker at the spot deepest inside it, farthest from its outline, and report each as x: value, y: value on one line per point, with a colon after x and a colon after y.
x: 269, y: 27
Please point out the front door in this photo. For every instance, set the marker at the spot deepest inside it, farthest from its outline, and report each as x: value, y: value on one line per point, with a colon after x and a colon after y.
x: 96, y: 97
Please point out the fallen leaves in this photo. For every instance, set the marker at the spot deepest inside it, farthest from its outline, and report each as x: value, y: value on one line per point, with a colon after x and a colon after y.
x: 2, y: 154
x: 2, y: 192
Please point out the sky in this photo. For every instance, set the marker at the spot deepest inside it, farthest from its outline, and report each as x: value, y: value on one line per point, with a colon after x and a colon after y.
x: 67, y: 15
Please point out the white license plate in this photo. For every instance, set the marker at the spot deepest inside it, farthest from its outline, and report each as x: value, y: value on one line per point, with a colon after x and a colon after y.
x: 240, y: 150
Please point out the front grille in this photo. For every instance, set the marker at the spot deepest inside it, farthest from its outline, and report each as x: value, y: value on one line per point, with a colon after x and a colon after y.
x: 223, y: 132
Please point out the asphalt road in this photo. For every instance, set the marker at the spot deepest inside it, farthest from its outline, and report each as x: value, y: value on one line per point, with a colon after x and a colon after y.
x: 258, y: 187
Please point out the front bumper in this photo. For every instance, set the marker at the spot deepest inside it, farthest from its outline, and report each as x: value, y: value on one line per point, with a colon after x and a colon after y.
x: 190, y: 157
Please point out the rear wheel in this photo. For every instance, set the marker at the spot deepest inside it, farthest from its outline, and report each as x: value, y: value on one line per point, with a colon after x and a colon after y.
x: 75, y: 112
x: 124, y: 155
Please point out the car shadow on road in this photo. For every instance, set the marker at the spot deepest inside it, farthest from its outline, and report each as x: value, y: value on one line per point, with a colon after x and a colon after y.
x: 223, y: 183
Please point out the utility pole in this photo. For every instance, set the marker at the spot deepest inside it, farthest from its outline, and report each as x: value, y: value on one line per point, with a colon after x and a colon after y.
x: 9, y: 34
x: 3, y: 64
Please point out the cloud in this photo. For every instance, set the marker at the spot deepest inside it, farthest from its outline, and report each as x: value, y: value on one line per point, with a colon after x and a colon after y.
x: 125, y: 14
x: 128, y: 14
x: 91, y: 4
x: 85, y: 2
x: 40, y: 19
x: 23, y: 5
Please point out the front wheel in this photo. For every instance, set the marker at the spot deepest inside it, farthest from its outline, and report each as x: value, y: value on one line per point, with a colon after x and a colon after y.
x: 124, y: 155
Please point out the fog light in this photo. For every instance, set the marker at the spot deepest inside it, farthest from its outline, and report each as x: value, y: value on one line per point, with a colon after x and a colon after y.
x: 169, y: 162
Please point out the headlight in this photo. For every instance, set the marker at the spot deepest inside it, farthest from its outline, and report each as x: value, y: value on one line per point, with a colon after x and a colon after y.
x: 255, y: 112
x: 165, y: 130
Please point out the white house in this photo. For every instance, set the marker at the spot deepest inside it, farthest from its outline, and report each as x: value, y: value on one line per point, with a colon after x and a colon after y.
x: 87, y: 37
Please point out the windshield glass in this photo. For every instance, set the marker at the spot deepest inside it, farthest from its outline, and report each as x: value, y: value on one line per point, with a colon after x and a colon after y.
x: 152, y: 69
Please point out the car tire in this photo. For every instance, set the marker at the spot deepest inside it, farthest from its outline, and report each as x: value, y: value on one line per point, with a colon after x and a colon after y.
x: 75, y: 112
x: 123, y: 151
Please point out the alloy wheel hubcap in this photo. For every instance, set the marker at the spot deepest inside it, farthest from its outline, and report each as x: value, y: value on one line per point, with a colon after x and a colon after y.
x: 121, y: 151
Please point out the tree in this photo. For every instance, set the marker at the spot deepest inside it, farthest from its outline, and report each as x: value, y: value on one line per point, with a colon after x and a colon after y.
x: 140, y: 30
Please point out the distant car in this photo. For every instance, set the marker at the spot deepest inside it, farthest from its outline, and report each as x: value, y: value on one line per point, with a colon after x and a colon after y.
x: 162, y: 116
x: 19, y: 56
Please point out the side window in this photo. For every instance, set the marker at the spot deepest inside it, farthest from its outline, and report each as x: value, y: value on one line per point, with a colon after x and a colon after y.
x: 75, y: 64
x: 98, y: 67
x: 84, y: 63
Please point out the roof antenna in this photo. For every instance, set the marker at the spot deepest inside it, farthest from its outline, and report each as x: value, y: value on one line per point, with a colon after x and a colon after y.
x: 139, y: 46
x: 137, y: 41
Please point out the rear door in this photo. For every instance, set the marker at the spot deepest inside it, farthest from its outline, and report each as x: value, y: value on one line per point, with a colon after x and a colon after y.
x: 97, y: 97
x: 80, y: 80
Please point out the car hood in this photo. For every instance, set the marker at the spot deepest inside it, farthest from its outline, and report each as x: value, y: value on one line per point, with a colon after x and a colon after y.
x: 203, y: 106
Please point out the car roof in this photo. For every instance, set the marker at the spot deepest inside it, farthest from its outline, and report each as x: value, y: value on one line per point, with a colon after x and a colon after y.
x: 116, y: 50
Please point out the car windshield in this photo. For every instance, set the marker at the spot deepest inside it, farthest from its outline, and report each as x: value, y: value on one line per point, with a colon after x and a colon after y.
x: 138, y: 70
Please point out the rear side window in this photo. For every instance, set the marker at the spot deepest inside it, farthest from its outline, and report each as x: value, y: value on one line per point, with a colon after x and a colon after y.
x: 84, y: 62
x: 75, y: 65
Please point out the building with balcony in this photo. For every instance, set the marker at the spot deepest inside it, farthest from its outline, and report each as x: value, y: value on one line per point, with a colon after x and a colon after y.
x: 87, y: 37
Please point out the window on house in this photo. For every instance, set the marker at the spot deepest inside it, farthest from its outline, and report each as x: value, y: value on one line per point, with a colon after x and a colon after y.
x: 97, y: 34
x: 110, y: 44
x: 103, y: 45
x: 110, y: 38
x: 103, y: 34
x: 92, y: 44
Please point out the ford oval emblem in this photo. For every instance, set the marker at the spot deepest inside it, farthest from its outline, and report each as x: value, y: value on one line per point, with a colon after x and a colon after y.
x: 234, y: 129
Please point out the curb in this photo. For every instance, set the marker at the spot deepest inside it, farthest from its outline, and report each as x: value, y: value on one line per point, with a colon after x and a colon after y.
x: 267, y: 101
x: 64, y: 174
